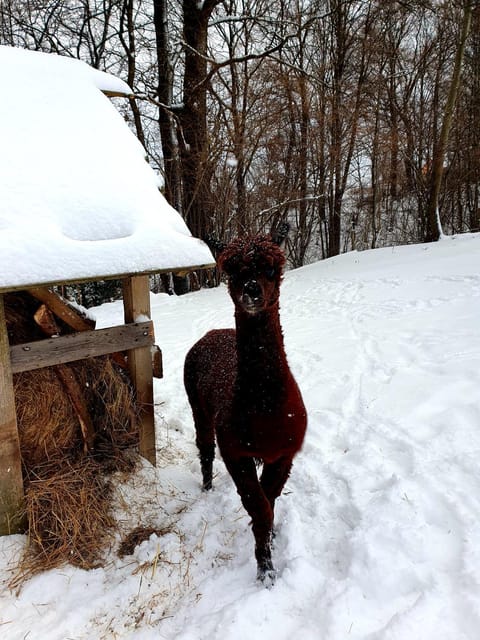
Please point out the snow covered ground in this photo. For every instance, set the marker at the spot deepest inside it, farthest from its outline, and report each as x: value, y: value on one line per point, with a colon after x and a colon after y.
x: 379, y: 525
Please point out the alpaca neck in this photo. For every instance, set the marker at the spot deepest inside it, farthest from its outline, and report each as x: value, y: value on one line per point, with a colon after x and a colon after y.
x: 261, y: 361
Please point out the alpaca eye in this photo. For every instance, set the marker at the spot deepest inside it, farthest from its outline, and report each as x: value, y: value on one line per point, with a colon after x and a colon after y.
x: 270, y: 273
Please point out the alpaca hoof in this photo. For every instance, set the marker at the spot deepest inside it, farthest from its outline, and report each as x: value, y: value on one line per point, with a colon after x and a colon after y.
x: 267, y: 577
x: 207, y: 486
x: 266, y: 573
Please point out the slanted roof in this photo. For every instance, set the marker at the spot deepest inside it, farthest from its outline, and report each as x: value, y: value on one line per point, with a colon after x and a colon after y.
x: 77, y: 198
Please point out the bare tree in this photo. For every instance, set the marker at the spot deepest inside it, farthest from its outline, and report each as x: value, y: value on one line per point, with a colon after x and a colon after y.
x: 347, y: 119
x: 433, y: 217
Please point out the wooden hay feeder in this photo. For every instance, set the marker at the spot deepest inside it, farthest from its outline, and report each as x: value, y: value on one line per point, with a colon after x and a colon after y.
x: 64, y: 219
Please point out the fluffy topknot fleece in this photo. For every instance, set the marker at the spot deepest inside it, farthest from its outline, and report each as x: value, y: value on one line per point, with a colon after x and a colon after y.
x: 256, y: 253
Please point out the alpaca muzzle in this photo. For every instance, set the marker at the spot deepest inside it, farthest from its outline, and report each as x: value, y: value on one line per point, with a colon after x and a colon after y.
x: 252, y: 296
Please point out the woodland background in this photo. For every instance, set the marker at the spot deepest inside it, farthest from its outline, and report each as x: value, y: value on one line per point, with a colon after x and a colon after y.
x: 351, y: 120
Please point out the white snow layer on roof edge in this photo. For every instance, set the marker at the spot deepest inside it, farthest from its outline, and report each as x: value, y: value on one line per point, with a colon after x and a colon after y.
x: 77, y: 198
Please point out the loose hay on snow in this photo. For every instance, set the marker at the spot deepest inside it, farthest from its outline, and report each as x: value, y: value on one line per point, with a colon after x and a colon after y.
x: 67, y: 509
x: 69, y: 518
x: 137, y: 536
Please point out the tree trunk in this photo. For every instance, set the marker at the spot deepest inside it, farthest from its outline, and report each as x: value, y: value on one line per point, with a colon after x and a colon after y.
x: 127, y: 23
x: 433, y: 231
x: 165, y: 116
x: 195, y: 166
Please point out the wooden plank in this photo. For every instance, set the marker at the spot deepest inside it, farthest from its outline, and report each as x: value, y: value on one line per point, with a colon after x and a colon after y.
x: 72, y: 387
x: 113, y: 276
x: 11, y: 482
x: 136, y: 302
x: 117, y: 94
x: 77, y: 346
x: 62, y: 309
x: 46, y: 321
x: 70, y: 315
x: 157, y: 361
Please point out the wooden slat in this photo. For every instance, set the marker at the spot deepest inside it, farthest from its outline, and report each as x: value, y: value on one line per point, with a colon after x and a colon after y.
x: 136, y: 301
x: 113, y: 276
x: 11, y: 482
x: 45, y: 319
x: 70, y: 315
x: 157, y: 361
x: 117, y: 94
x: 67, y: 377
x: 77, y: 346
x: 62, y: 309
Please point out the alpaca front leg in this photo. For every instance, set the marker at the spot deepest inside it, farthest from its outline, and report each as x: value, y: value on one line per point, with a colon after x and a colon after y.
x: 274, y: 477
x: 266, y: 572
x: 257, y: 505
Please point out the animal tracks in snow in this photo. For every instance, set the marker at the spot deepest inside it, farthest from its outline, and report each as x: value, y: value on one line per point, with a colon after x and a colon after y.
x: 389, y: 385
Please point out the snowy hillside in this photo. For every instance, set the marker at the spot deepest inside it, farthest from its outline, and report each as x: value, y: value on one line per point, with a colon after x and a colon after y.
x: 379, y: 526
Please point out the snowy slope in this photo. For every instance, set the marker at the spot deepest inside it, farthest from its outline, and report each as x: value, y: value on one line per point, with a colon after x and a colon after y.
x: 379, y: 526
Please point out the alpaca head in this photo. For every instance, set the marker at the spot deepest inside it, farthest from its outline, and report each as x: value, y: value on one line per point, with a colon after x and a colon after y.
x: 254, y: 268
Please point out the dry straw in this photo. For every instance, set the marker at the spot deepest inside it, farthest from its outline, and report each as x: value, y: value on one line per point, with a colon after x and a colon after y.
x: 69, y: 519
x: 68, y: 489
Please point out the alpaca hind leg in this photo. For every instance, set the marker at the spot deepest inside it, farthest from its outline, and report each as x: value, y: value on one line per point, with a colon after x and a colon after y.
x: 205, y: 441
x: 244, y: 475
x: 205, y: 432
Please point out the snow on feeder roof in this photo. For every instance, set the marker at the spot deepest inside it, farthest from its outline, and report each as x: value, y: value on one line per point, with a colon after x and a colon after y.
x: 78, y: 201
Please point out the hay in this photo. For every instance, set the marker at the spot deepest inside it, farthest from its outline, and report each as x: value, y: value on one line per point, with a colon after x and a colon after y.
x: 137, y: 536
x: 68, y: 489
x: 67, y: 506
x: 47, y: 424
x: 49, y: 427
x: 69, y: 530
x: 112, y: 405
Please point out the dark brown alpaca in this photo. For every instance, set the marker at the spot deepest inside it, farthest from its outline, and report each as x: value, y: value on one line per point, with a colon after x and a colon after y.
x: 242, y: 391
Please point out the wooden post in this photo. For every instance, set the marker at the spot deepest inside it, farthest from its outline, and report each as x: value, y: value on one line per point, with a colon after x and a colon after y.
x: 136, y: 303
x: 12, y: 519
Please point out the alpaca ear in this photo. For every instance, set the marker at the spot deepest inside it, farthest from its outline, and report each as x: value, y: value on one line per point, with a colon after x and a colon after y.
x: 227, y: 262
x: 279, y: 235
